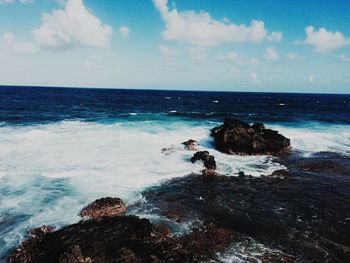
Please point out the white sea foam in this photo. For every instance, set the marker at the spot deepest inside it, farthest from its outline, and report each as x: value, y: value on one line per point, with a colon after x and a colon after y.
x: 49, y: 172
x: 247, y: 250
x: 315, y: 137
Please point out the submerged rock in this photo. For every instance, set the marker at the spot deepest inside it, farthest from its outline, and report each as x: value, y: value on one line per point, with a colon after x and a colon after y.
x: 207, y: 159
x: 170, y: 150
x: 191, y: 145
x: 103, y: 207
x: 301, y: 218
x: 238, y: 137
x: 121, y: 239
x: 280, y: 174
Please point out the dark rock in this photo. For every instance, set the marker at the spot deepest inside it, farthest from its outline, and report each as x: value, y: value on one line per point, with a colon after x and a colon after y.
x: 103, y: 207
x: 170, y: 150
x: 280, y: 174
x: 41, y: 231
x: 162, y: 229
x: 325, y: 166
x: 241, y: 174
x: 191, y: 145
x: 237, y: 137
x: 258, y: 126
x: 210, y: 175
x: 174, y: 216
x: 121, y: 239
x: 303, y: 217
x: 206, y: 158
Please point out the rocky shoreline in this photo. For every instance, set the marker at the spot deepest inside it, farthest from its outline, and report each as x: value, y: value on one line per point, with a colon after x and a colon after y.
x: 298, y: 214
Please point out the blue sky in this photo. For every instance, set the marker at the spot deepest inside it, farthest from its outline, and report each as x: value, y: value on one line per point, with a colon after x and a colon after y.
x: 233, y: 45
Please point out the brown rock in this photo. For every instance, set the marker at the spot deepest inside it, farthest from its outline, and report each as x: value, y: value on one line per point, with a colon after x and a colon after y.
x: 104, y: 207
x: 207, y: 159
x: 41, y: 231
x: 238, y: 137
x: 280, y: 174
x: 126, y: 239
x: 191, y: 145
x: 174, y: 216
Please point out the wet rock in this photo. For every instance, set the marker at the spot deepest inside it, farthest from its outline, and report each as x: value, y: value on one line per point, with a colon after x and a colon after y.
x: 210, y: 175
x: 324, y: 166
x: 191, y: 145
x: 162, y: 229
x: 170, y: 150
x: 104, y: 207
x: 238, y: 137
x: 301, y: 218
x: 174, y: 216
x: 41, y: 231
x: 280, y: 174
x: 258, y: 126
x: 121, y: 239
x: 207, y: 159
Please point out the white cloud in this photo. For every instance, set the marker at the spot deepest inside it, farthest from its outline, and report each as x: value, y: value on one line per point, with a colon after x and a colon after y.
x: 235, y: 58
x: 292, y: 56
x: 254, y: 77
x: 197, y: 53
x: 8, y: 44
x: 199, y: 28
x: 325, y: 41
x: 344, y: 58
x: 312, y: 78
x: 167, y: 51
x: 73, y: 26
x: 124, y: 31
x: 275, y: 37
x: 271, y: 54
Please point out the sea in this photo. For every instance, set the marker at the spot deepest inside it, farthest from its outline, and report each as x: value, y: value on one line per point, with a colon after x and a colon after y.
x: 62, y: 148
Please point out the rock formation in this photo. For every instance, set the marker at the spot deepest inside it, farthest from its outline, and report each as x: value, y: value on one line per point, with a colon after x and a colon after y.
x: 238, y: 137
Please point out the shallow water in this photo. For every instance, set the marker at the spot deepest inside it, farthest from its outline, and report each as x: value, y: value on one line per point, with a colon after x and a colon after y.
x: 62, y: 148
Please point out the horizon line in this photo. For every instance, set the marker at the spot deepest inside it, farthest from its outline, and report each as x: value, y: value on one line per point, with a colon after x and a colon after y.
x: 162, y: 89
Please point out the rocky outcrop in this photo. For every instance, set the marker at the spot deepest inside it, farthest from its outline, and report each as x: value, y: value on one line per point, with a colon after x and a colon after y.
x: 276, y: 213
x: 40, y: 231
x: 238, y: 137
x: 104, y: 207
x: 207, y: 159
x: 191, y: 145
x: 121, y: 239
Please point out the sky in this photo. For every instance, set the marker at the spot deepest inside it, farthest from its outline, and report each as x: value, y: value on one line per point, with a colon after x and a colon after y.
x: 228, y: 45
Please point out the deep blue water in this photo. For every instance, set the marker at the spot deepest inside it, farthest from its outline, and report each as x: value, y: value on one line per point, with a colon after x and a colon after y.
x: 25, y: 105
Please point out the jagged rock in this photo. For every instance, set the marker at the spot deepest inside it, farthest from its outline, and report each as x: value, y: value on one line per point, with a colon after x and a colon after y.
x: 191, y: 145
x: 162, y: 229
x: 121, y: 239
x: 207, y: 159
x: 170, y: 150
x: 41, y: 231
x: 103, y: 207
x: 238, y: 137
x: 280, y: 174
x: 174, y: 216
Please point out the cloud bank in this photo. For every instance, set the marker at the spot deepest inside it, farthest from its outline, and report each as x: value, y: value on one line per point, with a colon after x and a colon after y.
x: 325, y: 41
x: 199, y: 28
x: 73, y: 26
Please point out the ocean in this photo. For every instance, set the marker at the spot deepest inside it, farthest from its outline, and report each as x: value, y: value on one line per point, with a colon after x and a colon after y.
x: 61, y: 148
